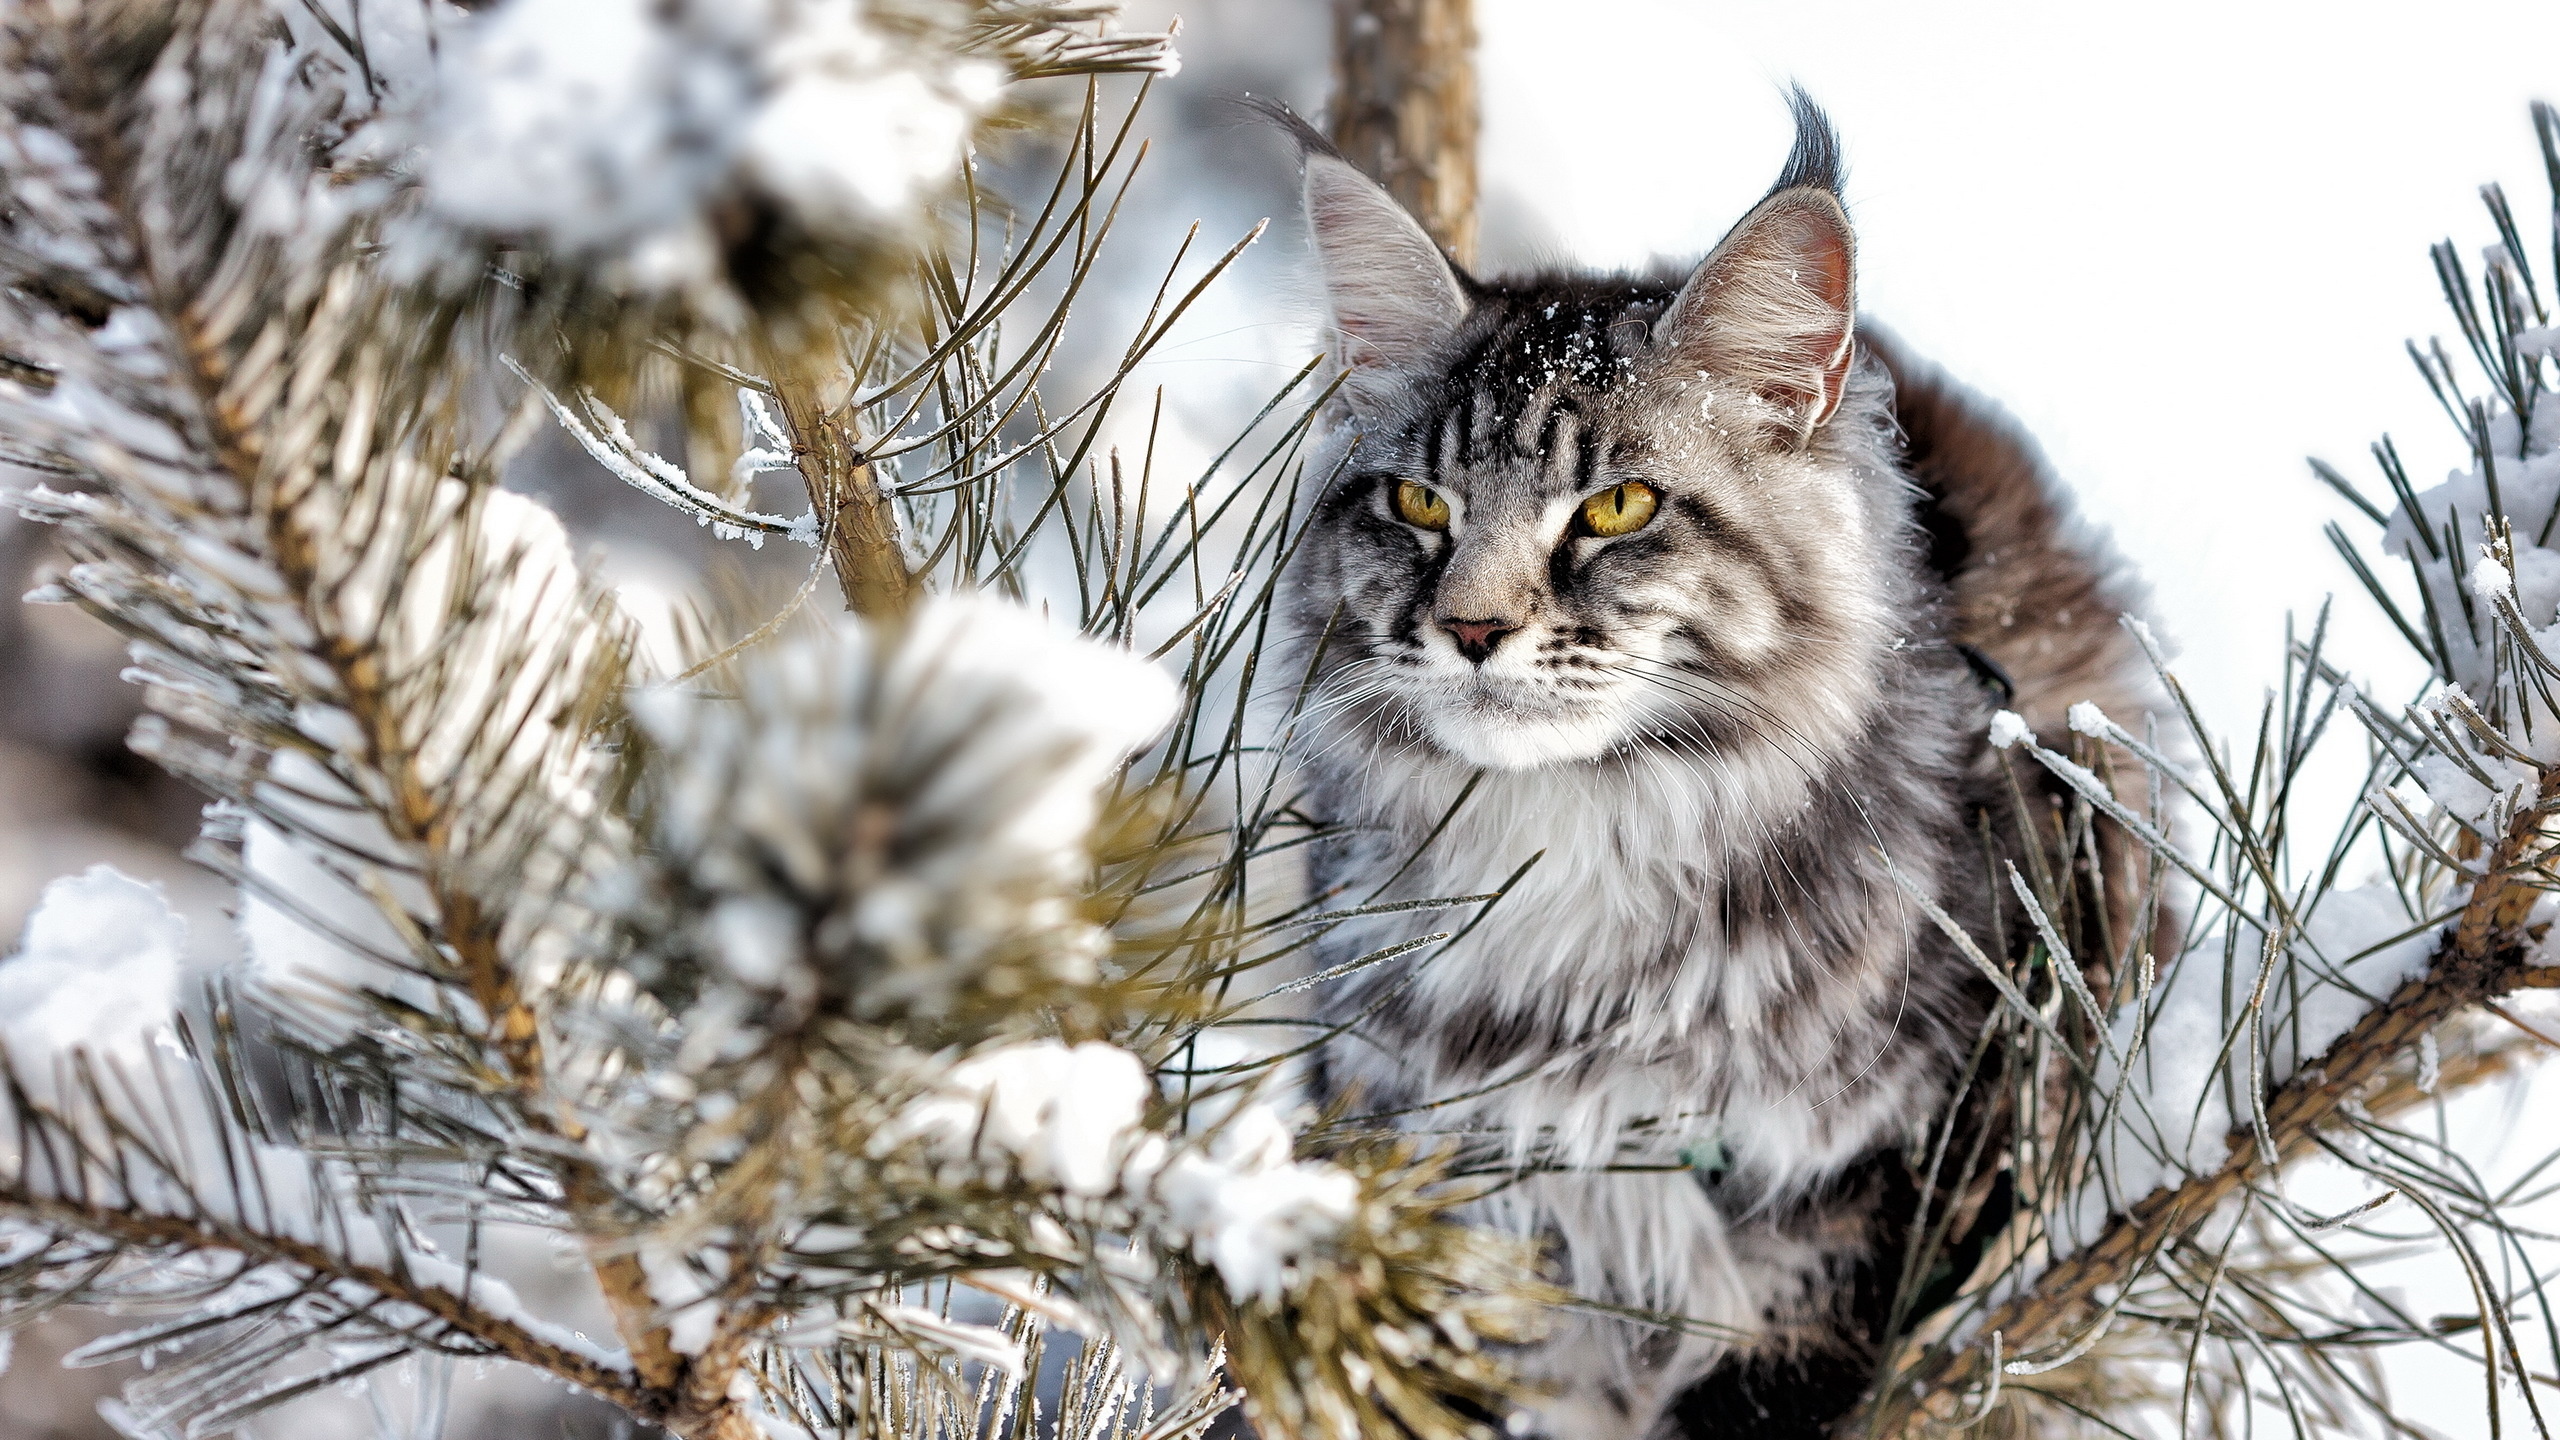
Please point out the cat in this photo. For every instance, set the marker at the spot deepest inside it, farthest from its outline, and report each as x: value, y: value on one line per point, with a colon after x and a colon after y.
x: 1702, y: 591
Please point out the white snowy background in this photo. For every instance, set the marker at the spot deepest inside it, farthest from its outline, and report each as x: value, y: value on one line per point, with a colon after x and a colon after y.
x: 2183, y: 244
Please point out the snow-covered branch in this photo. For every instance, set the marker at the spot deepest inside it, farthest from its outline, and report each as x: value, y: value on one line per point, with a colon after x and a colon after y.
x: 758, y: 997
x: 2290, y: 1014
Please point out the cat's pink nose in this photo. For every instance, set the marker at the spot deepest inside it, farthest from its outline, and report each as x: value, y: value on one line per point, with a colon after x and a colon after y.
x: 1476, y: 638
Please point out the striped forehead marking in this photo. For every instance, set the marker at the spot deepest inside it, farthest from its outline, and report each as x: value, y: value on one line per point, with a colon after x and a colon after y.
x: 1472, y: 429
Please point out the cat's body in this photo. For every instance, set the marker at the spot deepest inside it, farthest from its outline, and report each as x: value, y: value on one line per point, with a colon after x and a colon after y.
x: 1707, y: 726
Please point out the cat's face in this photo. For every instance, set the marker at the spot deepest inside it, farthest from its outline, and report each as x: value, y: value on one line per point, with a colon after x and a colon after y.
x: 1576, y: 515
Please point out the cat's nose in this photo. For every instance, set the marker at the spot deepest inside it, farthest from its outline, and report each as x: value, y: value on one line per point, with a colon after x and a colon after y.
x: 1476, y: 638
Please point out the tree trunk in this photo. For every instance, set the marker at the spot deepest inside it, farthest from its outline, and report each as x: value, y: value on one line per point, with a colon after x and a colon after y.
x: 1405, y: 108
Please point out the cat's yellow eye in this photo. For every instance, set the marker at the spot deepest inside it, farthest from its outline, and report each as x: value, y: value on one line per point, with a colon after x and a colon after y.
x: 1420, y: 505
x: 1618, y: 510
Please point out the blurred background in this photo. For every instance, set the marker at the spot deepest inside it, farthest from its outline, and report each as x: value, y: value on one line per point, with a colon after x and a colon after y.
x: 2182, y: 242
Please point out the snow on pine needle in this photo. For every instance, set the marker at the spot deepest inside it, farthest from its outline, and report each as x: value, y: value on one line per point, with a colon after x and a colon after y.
x: 618, y: 130
x: 694, y: 983
x: 705, y: 160
x: 97, y: 975
x: 892, y: 833
x: 2233, y: 1132
x: 1070, y: 1116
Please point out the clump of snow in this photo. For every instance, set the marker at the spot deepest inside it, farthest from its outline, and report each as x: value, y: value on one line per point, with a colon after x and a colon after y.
x: 1072, y: 1118
x: 97, y: 973
x: 2490, y: 579
x: 906, y: 824
x: 616, y: 129
x: 1251, y: 1210
x: 2087, y: 719
x: 1052, y: 1113
x: 2446, y: 536
x: 2180, y: 1078
x: 2455, y: 787
x: 2008, y: 728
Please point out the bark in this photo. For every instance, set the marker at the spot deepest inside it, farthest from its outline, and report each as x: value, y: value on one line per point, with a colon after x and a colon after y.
x: 844, y: 489
x: 1405, y: 109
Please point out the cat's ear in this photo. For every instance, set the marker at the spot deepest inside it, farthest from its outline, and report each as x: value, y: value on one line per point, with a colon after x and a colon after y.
x: 1392, y: 292
x: 1775, y: 307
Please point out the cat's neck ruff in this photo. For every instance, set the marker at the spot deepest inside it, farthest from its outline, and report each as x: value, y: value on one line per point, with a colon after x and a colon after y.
x: 1650, y: 804
x: 1622, y: 997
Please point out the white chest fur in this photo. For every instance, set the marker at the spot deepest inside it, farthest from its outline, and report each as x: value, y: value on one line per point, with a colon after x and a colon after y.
x: 1648, y: 1025
x: 1660, y: 994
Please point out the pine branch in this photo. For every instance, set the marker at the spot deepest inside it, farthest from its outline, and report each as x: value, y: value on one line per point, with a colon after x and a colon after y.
x: 406, y: 693
x: 858, y: 519
x: 497, y: 1336
x: 2484, y: 955
x: 471, y: 931
x: 312, y: 501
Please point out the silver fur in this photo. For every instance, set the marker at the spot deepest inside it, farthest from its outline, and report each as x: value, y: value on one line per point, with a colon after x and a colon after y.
x: 1705, y: 732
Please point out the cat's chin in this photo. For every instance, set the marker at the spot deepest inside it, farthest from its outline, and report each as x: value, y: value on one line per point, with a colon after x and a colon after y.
x: 1500, y: 740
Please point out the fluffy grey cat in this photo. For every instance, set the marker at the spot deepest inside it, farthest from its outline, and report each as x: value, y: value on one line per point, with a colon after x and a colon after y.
x: 1698, y: 589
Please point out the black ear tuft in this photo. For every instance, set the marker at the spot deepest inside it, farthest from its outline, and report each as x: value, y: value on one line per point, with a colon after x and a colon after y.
x: 1815, y: 160
x: 1310, y: 140
x: 1392, y: 292
x: 1775, y: 306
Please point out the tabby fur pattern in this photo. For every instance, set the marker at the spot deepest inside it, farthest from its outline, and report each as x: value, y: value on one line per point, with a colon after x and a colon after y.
x: 1703, y: 1031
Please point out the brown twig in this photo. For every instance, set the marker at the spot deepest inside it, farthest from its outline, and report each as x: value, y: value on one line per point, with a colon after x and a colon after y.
x: 455, y: 1312
x: 861, y: 521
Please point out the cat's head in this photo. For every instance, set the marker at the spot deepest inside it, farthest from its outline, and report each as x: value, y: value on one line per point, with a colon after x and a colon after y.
x: 1567, y: 514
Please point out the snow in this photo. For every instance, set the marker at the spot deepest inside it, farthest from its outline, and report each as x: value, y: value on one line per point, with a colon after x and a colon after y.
x: 2461, y: 793
x: 2181, y: 1095
x: 2447, y: 535
x: 1072, y: 1118
x: 914, y: 817
x: 1051, y: 1113
x: 1248, y: 1208
x: 2008, y: 728
x: 2496, y: 607
x: 836, y: 79
x: 97, y: 974
x: 619, y: 128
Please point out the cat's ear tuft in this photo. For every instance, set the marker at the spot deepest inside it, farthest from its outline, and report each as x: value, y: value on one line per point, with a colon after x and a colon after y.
x: 1775, y: 307
x: 1392, y: 292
